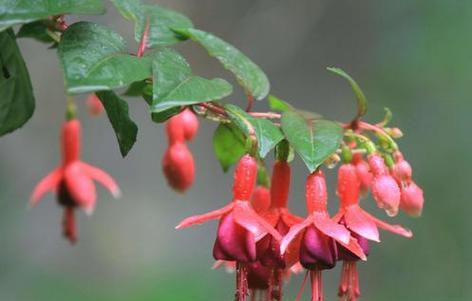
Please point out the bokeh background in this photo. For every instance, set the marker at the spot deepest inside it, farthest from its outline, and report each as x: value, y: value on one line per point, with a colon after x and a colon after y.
x: 413, y: 56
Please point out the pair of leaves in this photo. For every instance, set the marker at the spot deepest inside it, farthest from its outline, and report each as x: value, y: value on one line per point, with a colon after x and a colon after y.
x: 94, y: 58
x: 248, y: 74
x: 159, y: 20
x: 25, y: 11
x: 16, y: 93
x: 175, y: 86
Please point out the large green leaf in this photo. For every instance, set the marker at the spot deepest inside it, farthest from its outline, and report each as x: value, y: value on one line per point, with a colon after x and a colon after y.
x: 94, y: 58
x: 174, y: 85
x: 229, y: 145
x: 16, y: 92
x: 160, y: 19
x: 24, y: 11
x: 117, y: 111
x: 248, y: 74
x: 360, y: 97
x: 313, y: 139
x: 267, y: 134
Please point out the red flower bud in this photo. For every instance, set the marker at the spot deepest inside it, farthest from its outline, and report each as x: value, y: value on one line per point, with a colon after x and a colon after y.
x: 348, y: 185
x: 244, y: 178
x: 402, y: 169
x: 95, y: 106
x: 377, y: 165
x: 260, y: 199
x: 386, y: 193
x: 363, y: 173
x: 175, y: 130
x: 178, y: 167
x: 412, y: 199
x: 280, y: 184
x: 190, y: 124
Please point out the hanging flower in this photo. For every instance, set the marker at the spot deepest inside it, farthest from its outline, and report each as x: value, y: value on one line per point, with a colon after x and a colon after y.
x: 95, y: 106
x: 72, y: 181
x: 384, y: 187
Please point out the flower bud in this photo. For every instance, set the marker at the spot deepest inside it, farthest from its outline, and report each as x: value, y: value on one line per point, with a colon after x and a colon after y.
x: 178, y: 167
x: 377, y: 164
x: 386, y: 193
x: 402, y: 169
x: 364, y: 175
x: 189, y: 123
x: 412, y: 200
x: 95, y: 106
x: 175, y: 130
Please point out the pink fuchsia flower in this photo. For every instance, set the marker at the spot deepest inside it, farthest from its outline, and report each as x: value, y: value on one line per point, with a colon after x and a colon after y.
x: 179, y: 167
x: 240, y: 226
x: 95, y: 106
x: 385, y: 189
x: 363, y: 173
x: 190, y: 124
x: 73, y: 180
x: 319, y: 235
x: 362, y: 226
x: 412, y: 199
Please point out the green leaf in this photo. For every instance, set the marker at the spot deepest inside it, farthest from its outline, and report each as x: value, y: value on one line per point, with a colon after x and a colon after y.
x: 94, y: 58
x: 117, y: 111
x: 136, y: 88
x: 160, y: 19
x: 165, y: 115
x: 278, y: 104
x: 229, y: 145
x: 16, y: 93
x: 267, y: 134
x: 14, y: 12
x: 360, y: 97
x: 248, y: 74
x: 36, y: 30
x: 314, y: 139
x: 175, y: 86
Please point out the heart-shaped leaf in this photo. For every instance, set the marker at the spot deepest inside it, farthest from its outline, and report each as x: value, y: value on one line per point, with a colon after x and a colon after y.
x: 229, y: 145
x: 16, y: 93
x: 248, y: 74
x: 360, y: 97
x: 26, y: 11
x: 175, y: 86
x: 267, y: 134
x: 160, y: 19
x: 118, y: 114
x: 313, y: 139
x: 94, y: 58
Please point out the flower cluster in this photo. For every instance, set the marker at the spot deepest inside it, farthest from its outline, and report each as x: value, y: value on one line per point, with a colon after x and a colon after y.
x: 178, y: 164
x: 259, y: 236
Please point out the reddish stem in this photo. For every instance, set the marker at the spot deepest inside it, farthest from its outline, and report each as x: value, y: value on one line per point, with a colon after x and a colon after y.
x: 241, y: 282
x: 68, y: 223
x: 250, y: 102
x: 266, y: 115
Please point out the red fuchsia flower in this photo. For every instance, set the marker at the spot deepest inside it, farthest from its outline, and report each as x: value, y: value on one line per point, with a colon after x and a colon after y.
x: 319, y: 235
x: 72, y: 181
x: 178, y: 164
x: 412, y: 199
x: 362, y: 226
x: 95, y: 106
x: 240, y: 227
x: 384, y: 187
x: 363, y: 173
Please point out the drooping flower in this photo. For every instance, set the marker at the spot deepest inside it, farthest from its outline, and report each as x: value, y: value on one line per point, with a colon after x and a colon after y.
x: 319, y: 235
x: 95, y: 106
x: 363, y: 173
x: 412, y: 199
x: 384, y: 187
x: 72, y: 181
x: 362, y: 226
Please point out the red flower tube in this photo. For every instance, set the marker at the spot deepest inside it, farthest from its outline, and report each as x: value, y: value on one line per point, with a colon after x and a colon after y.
x: 73, y: 180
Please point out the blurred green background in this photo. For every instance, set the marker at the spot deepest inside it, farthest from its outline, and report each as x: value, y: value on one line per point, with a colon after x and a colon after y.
x: 412, y: 56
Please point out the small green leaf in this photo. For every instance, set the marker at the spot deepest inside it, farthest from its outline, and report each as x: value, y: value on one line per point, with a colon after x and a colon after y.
x: 267, y: 134
x: 165, y: 115
x: 14, y: 12
x: 36, y: 30
x: 160, y: 19
x: 314, y: 140
x: 278, y: 104
x: 360, y: 97
x: 16, y: 93
x: 117, y: 111
x: 229, y: 145
x: 175, y: 86
x: 94, y: 58
x: 248, y: 74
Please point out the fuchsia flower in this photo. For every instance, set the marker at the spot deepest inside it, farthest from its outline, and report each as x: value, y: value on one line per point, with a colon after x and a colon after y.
x: 72, y: 181
x: 384, y: 187
x: 412, y: 199
x: 362, y: 226
x: 240, y: 226
x: 319, y: 235
x: 178, y: 164
x: 363, y: 173
x: 95, y: 106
